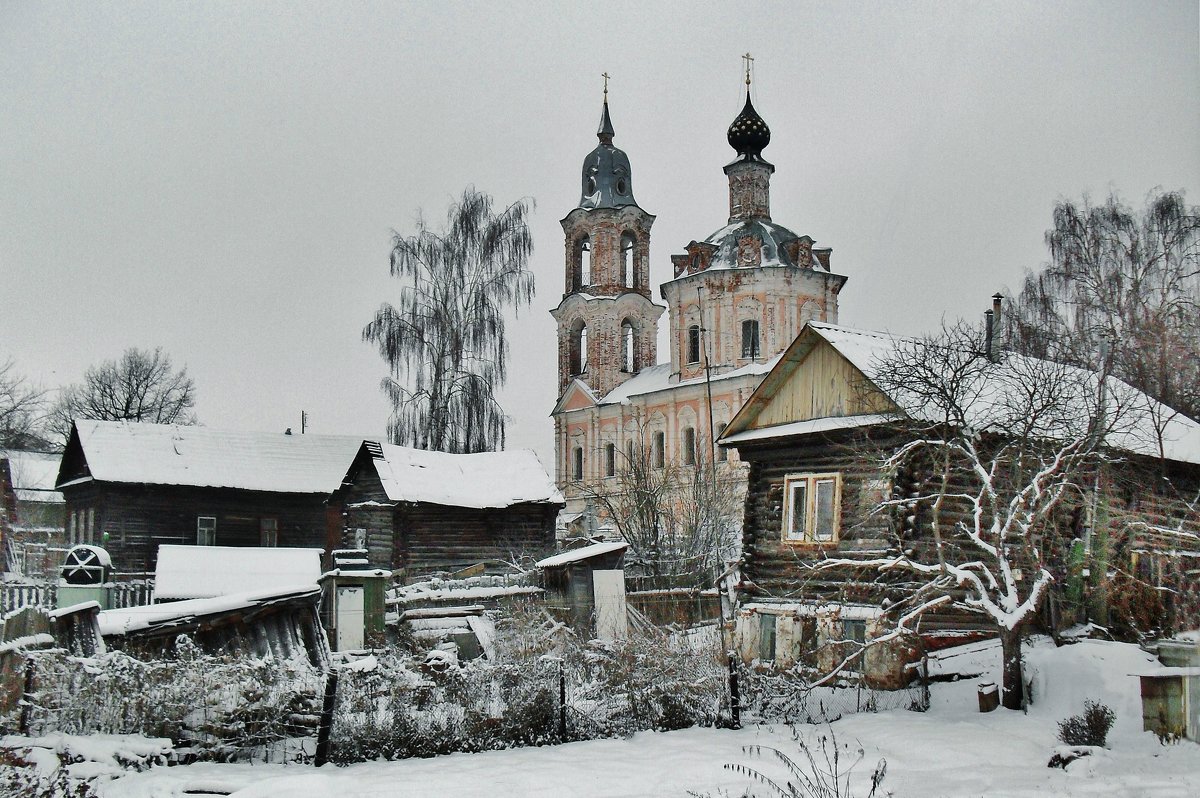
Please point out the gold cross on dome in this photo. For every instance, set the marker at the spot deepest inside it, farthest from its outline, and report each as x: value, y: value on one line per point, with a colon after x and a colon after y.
x: 605, y: 76
x: 749, y: 59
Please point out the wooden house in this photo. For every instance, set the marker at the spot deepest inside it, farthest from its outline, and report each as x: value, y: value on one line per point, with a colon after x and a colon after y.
x: 131, y: 487
x: 587, y: 585
x: 418, y: 512
x: 804, y: 433
x: 32, y: 513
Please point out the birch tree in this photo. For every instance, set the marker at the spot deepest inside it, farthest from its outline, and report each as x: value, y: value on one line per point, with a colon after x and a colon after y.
x: 997, y: 452
x: 444, y: 339
x: 1123, y: 284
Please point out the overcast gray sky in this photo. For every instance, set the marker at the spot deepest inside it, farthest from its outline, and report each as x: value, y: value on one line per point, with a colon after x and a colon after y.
x: 221, y: 179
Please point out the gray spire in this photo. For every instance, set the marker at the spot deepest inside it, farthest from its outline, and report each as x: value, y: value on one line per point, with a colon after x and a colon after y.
x: 607, y: 179
x: 606, y: 132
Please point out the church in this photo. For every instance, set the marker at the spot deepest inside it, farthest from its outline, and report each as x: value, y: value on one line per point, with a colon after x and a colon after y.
x: 737, y: 299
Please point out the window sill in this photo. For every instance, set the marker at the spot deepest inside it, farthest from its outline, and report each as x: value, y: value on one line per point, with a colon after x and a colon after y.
x: 811, y: 544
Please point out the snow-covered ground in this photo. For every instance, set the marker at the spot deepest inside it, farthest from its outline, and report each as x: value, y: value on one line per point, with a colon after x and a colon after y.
x: 952, y: 750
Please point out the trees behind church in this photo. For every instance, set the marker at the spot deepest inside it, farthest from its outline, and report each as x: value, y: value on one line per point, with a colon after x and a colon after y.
x: 444, y: 338
x: 1120, y: 285
x: 141, y: 385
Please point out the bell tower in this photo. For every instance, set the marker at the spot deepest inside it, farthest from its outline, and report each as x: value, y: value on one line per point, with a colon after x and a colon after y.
x: 607, y: 322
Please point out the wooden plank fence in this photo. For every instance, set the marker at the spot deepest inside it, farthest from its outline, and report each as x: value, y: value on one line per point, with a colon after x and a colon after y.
x: 124, y: 594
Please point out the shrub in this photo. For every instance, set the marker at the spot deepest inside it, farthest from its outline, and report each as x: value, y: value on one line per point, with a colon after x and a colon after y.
x: 1090, y: 728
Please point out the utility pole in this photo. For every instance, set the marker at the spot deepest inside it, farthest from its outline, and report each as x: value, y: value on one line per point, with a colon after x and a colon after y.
x: 712, y: 439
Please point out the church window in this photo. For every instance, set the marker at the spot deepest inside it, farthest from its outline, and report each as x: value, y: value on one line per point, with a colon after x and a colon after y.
x: 689, y: 446
x: 628, y: 354
x: 610, y: 460
x: 577, y: 349
x: 585, y: 263
x: 693, y: 344
x: 629, y: 453
x: 750, y: 347
x: 722, y: 452
x: 657, y: 447
x: 577, y: 463
x: 627, y: 260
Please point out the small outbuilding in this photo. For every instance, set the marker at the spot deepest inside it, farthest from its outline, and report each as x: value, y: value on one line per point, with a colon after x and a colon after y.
x: 419, y: 513
x: 588, y: 583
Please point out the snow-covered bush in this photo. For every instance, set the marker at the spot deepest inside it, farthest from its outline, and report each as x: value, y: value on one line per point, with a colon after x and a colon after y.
x: 212, y: 707
x: 1090, y: 728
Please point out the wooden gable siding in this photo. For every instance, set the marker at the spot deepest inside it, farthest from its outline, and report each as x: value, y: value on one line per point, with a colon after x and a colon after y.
x: 139, y: 518
x: 432, y: 537
x: 375, y: 517
x: 824, y: 384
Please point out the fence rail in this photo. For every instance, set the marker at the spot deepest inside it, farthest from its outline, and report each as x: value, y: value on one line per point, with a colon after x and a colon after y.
x: 123, y: 594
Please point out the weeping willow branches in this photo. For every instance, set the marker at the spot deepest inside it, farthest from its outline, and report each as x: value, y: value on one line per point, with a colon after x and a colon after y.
x: 444, y: 339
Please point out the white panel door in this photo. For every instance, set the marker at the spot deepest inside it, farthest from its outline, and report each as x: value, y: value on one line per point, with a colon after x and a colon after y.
x: 350, y: 618
x: 612, y: 620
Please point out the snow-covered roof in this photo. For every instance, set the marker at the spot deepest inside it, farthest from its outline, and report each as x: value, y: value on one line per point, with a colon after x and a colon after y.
x: 581, y: 554
x: 483, y: 480
x: 187, y: 572
x: 164, y: 454
x: 869, y: 351
x: 178, y: 613
x: 658, y: 378
x: 33, y: 475
x: 808, y: 427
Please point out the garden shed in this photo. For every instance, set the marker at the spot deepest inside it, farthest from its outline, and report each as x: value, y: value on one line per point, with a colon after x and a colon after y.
x: 588, y: 584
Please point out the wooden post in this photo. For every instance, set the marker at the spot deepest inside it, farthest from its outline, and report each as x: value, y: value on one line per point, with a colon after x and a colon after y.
x: 326, y: 726
x: 562, y: 702
x: 735, y: 710
x: 27, y: 694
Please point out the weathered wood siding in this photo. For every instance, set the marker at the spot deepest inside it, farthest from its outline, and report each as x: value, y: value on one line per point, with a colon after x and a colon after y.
x: 827, y: 385
x: 139, y: 518
x: 432, y: 537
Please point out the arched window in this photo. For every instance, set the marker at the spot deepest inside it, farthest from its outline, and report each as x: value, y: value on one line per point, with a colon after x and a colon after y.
x: 722, y: 452
x: 610, y: 460
x: 577, y: 349
x: 689, y: 446
x: 627, y: 242
x: 750, y: 346
x: 577, y: 463
x: 629, y: 453
x: 628, y: 347
x: 693, y: 344
x: 657, y: 447
x: 585, y: 262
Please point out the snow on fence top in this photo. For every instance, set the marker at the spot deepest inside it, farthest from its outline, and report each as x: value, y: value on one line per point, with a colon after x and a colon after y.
x: 478, y: 481
x: 581, y: 554
x: 189, y: 572
x: 165, y: 454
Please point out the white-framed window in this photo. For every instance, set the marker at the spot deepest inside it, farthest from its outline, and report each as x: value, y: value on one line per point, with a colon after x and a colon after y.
x: 750, y: 345
x: 577, y: 463
x: 268, y: 532
x: 811, y: 508
x: 689, y: 446
x: 71, y: 527
x: 206, y: 530
x: 91, y: 525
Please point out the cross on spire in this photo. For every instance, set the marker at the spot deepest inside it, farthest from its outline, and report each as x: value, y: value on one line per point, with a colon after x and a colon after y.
x: 749, y: 59
x: 605, y: 76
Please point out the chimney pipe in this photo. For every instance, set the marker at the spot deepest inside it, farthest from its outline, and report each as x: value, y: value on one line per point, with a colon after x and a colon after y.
x: 997, y: 337
x: 987, y: 332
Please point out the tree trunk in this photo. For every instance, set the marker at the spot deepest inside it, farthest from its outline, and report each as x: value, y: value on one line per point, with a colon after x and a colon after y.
x: 1010, y: 653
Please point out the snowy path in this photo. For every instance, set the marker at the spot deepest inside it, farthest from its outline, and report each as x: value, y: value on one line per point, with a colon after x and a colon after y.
x: 951, y: 750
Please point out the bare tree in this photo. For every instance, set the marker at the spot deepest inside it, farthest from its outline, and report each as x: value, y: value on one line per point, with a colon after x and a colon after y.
x: 139, y: 386
x: 680, y: 520
x: 1120, y: 284
x: 22, y: 406
x: 444, y: 340
x: 995, y: 454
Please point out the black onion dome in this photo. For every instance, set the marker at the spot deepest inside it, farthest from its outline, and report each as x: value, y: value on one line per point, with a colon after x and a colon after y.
x: 749, y: 134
